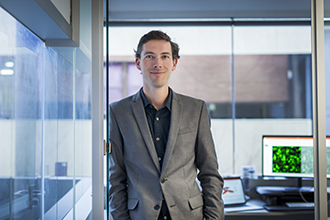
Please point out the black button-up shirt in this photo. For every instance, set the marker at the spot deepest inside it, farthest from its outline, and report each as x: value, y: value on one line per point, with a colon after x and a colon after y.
x: 159, y: 122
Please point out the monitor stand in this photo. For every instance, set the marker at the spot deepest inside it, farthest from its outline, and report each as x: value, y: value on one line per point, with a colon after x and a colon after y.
x: 299, y: 182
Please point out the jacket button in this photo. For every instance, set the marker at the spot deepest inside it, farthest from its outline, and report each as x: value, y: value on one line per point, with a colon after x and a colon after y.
x: 163, y: 180
x: 156, y: 207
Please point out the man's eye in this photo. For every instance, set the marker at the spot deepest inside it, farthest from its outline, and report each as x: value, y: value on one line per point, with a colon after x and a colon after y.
x: 165, y: 57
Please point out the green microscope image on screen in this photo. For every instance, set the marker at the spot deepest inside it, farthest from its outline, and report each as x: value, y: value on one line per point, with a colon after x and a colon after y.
x: 286, y: 159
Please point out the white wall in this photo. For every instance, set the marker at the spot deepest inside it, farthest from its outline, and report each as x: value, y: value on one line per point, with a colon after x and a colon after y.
x: 248, y: 139
x: 211, y: 40
x: 61, y: 144
x: 248, y: 133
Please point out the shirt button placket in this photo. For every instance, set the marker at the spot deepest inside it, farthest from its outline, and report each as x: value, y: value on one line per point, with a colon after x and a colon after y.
x: 157, y: 128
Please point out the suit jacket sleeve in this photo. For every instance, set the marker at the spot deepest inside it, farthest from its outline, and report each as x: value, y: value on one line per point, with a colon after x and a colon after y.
x: 209, y: 177
x: 117, y: 172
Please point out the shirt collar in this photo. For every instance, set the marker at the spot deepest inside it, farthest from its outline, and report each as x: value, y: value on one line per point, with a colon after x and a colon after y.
x: 168, y: 101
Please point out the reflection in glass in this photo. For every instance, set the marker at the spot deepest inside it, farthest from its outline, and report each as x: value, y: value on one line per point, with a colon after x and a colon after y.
x: 45, y: 126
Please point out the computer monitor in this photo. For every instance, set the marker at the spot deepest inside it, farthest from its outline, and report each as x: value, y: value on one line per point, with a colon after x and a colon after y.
x: 290, y: 156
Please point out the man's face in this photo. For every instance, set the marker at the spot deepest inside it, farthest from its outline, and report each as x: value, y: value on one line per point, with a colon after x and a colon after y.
x: 156, y: 63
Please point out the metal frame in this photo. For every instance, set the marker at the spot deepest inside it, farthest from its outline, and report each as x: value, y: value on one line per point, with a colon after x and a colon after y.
x: 319, y: 128
x: 97, y: 111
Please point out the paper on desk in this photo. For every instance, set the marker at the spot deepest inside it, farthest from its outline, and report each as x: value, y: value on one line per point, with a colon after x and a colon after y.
x: 243, y: 208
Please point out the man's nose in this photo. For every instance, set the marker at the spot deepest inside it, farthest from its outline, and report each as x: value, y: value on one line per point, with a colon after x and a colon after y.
x: 158, y: 63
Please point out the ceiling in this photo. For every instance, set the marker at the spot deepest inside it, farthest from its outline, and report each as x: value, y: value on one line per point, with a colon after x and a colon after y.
x: 120, y: 10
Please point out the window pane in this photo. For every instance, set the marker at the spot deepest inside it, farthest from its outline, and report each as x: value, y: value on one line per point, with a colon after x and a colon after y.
x: 272, y: 71
x: 205, y: 56
x: 327, y: 93
x: 327, y: 76
x: 204, y: 72
x: 261, y: 87
x: 20, y: 124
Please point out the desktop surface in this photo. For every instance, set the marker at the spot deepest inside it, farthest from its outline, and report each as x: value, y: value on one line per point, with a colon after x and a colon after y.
x: 288, y: 184
x: 261, y: 214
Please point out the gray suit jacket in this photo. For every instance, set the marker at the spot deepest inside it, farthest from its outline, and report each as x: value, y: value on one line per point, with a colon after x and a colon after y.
x: 138, y: 186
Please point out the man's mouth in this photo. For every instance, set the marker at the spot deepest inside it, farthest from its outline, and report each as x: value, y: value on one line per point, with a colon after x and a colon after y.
x: 156, y: 72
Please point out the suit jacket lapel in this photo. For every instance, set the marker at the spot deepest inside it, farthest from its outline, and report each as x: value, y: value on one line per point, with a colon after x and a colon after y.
x: 176, y: 112
x: 140, y: 117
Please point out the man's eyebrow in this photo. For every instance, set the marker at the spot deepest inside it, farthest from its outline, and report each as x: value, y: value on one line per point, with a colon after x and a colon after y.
x: 150, y: 52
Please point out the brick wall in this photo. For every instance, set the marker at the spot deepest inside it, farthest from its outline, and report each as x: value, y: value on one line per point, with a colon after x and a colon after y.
x: 258, y: 78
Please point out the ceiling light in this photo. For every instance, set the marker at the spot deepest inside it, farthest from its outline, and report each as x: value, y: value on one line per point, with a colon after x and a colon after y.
x: 9, y: 64
x: 6, y: 72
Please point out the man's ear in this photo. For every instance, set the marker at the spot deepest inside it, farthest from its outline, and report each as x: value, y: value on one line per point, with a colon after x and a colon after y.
x: 175, y: 62
x: 137, y: 63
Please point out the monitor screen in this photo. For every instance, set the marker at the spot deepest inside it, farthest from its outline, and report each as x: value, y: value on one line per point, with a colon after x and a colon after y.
x: 290, y: 156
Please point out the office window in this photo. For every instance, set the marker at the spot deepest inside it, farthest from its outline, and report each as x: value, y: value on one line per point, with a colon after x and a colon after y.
x: 206, y: 60
x: 272, y: 88
x: 256, y: 80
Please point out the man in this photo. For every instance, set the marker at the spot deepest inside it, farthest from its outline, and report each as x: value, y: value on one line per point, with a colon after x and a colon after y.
x: 160, y: 142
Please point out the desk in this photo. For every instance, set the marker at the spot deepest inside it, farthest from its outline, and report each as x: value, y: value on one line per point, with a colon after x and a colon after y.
x: 264, y: 214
